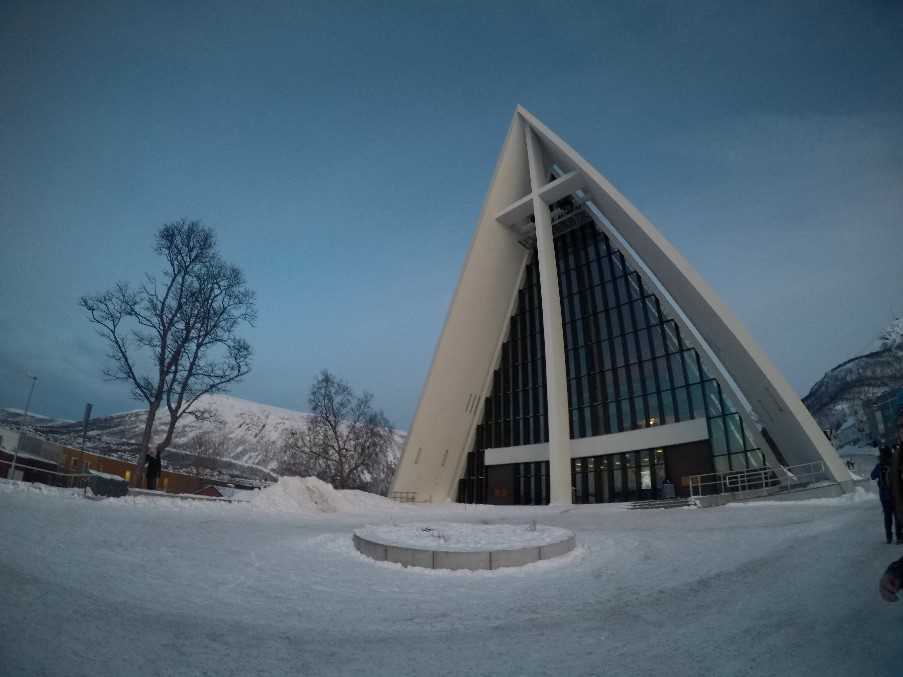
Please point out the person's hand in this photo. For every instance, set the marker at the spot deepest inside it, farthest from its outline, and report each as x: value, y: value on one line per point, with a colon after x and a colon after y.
x: 889, y: 587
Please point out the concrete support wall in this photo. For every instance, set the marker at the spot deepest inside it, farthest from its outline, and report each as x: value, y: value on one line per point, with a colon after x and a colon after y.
x: 553, y: 334
x: 452, y: 397
x: 600, y: 445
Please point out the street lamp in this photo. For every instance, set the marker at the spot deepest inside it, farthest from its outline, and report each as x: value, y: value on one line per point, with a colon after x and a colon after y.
x: 12, y: 468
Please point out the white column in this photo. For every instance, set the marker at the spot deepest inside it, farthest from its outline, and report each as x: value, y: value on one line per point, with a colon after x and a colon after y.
x: 556, y: 376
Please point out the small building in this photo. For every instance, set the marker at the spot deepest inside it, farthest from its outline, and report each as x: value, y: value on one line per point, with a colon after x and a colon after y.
x: 218, y: 491
x: 29, y: 468
x: 46, y: 462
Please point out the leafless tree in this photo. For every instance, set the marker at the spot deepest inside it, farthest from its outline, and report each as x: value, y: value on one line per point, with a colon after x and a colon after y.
x: 173, y: 338
x: 209, y: 444
x: 346, y: 442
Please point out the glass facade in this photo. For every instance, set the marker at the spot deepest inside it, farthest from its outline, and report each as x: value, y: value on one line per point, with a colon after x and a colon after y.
x: 628, y: 476
x: 628, y: 367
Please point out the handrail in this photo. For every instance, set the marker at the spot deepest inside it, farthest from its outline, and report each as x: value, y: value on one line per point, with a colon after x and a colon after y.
x: 760, y: 481
x: 68, y: 481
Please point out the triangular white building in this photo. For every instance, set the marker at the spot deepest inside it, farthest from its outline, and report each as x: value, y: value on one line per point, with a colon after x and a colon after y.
x: 583, y: 358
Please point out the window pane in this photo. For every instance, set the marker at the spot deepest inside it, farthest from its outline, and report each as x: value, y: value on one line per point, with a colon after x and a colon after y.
x: 613, y: 417
x: 671, y: 336
x: 677, y: 372
x: 661, y: 366
x: 713, y: 398
x: 635, y: 380
x: 652, y: 410
x: 627, y: 318
x: 615, y: 318
x: 649, y: 376
x: 716, y: 429
x: 639, y: 314
x: 683, y: 404
x: 667, y: 407
x: 734, y: 434
x: 738, y: 461
x: 631, y: 349
x: 626, y: 415
x: 756, y: 458
x: 658, y: 345
x: 618, y: 345
x: 692, y: 367
x: 623, y: 390
x: 640, y: 409
x: 696, y: 400
x: 653, y: 309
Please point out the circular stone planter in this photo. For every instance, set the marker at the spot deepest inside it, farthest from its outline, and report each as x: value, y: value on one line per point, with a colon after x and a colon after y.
x: 463, y: 546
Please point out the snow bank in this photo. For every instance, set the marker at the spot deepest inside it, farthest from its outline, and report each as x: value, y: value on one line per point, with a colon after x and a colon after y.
x: 312, y: 495
x: 858, y: 495
x: 9, y: 486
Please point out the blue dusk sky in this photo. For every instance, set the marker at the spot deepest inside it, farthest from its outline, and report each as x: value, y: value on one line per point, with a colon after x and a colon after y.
x: 342, y: 151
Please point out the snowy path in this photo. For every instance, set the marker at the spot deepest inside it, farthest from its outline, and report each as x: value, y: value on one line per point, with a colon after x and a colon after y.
x: 162, y: 588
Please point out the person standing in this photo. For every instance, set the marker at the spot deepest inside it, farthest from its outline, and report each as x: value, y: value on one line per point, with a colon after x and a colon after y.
x: 153, y: 471
x: 897, y: 467
x: 891, y: 582
x: 883, y: 473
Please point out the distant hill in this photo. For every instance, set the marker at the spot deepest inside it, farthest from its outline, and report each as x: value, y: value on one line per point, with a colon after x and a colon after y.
x: 836, y: 400
x: 242, y: 432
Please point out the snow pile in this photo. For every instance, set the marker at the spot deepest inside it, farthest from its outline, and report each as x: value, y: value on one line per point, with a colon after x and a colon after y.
x: 10, y: 486
x: 457, y: 537
x: 858, y: 495
x: 312, y: 495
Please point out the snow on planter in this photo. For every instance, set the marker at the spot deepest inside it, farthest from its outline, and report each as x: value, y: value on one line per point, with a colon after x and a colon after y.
x: 451, y: 545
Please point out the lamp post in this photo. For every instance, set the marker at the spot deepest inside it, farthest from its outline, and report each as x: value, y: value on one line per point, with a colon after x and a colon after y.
x: 12, y: 468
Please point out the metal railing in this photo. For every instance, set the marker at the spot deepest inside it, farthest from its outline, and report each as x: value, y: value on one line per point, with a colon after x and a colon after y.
x: 757, y: 481
x: 57, y: 479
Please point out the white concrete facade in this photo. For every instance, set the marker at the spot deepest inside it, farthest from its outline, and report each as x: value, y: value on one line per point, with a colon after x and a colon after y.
x: 468, y: 350
x: 556, y: 382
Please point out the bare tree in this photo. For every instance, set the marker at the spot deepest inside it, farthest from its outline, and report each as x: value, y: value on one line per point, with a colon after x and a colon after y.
x: 346, y: 442
x: 209, y: 444
x: 173, y: 339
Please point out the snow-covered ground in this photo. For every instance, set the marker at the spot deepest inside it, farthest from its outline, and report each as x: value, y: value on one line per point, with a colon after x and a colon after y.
x: 156, y: 586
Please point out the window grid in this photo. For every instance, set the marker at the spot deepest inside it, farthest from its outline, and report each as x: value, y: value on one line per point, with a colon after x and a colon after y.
x: 627, y: 367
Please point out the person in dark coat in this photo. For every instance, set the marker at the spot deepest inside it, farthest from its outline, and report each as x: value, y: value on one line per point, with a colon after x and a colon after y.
x: 892, y: 581
x: 153, y: 471
x: 883, y: 472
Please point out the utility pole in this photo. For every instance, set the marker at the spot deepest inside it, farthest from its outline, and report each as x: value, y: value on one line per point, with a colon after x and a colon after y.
x: 12, y: 468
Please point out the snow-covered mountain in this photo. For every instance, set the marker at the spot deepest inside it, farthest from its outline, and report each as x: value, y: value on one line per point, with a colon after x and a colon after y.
x: 836, y: 400
x: 248, y: 433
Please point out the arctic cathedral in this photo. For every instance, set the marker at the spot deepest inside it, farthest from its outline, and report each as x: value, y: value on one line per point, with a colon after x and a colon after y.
x: 583, y: 359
